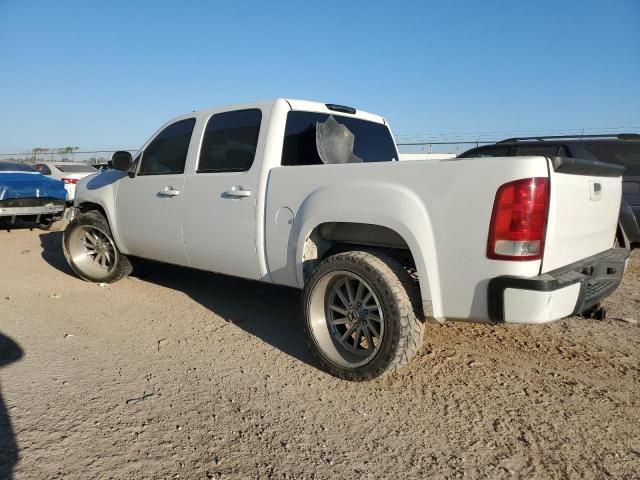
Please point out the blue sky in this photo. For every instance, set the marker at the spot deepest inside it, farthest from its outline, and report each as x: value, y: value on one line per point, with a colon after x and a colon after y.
x: 107, y: 74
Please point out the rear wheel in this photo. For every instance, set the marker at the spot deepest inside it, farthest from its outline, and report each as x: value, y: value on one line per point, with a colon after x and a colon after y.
x: 90, y: 250
x: 359, y: 314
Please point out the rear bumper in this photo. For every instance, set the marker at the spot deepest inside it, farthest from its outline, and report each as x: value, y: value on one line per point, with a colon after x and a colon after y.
x: 558, y: 294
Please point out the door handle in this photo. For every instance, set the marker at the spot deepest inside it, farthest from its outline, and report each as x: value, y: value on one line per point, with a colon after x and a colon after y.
x: 237, y: 192
x: 169, y: 192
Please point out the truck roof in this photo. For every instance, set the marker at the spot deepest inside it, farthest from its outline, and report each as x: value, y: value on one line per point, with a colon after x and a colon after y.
x: 303, y: 105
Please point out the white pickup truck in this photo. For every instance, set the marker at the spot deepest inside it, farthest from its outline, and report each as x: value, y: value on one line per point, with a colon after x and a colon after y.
x: 311, y: 195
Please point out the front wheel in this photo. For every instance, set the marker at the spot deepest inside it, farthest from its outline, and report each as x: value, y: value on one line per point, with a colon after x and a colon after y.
x: 91, y: 252
x: 359, y: 311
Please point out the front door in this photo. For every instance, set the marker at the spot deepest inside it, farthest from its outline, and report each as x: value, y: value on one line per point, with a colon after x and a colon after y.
x: 150, y: 206
x: 221, y: 195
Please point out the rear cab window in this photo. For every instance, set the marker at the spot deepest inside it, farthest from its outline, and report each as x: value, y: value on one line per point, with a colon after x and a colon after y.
x: 342, y: 140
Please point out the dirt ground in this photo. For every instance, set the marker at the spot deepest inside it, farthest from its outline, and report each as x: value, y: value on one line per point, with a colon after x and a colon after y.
x: 183, y: 374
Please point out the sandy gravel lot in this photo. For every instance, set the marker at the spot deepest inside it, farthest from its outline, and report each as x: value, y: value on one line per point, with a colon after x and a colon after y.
x: 183, y: 374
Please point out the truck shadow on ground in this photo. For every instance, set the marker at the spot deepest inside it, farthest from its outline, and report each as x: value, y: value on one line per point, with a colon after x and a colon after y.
x: 269, y: 312
x: 10, y: 352
x: 51, y: 244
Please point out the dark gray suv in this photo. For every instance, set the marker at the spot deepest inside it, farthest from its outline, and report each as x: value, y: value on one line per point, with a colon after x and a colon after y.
x: 623, y: 149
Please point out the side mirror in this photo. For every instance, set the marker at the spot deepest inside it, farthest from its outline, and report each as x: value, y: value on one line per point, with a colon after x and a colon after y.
x: 121, y: 160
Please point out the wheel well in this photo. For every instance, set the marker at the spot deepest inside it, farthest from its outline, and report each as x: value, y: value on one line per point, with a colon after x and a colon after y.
x: 334, y: 237
x: 88, y: 207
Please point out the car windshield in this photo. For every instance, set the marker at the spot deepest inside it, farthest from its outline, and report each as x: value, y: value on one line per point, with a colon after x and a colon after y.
x: 625, y: 154
x: 15, y: 167
x: 76, y: 168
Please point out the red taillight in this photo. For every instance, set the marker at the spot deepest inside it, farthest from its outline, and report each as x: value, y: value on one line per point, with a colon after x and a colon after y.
x: 68, y: 181
x: 519, y: 219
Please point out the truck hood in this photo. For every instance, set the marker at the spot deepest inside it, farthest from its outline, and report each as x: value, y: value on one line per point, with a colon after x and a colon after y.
x: 30, y: 185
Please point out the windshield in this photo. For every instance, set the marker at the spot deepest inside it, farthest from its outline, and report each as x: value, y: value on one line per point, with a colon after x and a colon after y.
x: 15, y: 167
x: 76, y: 168
x: 317, y: 138
x: 625, y: 154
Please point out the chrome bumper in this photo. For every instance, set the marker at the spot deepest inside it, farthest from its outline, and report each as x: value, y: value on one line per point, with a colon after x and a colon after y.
x: 24, y: 211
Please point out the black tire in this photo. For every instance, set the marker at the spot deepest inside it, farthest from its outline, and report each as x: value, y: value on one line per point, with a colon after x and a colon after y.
x: 121, y: 265
x: 46, y: 225
x: 50, y: 224
x: 399, y: 301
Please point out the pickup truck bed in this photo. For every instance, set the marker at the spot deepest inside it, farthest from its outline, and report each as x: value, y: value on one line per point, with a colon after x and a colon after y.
x: 419, y: 199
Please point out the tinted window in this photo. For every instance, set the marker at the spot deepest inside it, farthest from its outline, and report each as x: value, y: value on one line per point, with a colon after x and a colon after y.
x: 544, y: 150
x: 372, y: 142
x: 15, y: 167
x: 492, y: 151
x: 76, y: 168
x: 42, y: 168
x: 167, y: 153
x: 134, y: 164
x: 230, y: 141
x: 625, y: 154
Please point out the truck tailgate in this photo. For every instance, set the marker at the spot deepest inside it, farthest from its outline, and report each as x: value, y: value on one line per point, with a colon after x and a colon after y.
x: 584, y: 207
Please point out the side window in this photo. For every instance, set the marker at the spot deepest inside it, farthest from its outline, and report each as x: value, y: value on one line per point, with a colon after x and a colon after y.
x: 230, y: 142
x: 42, y: 168
x: 542, y: 151
x: 624, y: 153
x: 167, y: 153
x: 492, y: 151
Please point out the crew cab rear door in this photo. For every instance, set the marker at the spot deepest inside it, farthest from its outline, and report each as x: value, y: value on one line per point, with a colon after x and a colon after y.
x: 221, y: 195
x: 584, y: 205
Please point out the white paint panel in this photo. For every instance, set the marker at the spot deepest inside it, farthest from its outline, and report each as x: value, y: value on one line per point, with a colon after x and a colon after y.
x: 442, y: 209
x: 582, y: 222
x: 529, y: 306
x: 404, y: 157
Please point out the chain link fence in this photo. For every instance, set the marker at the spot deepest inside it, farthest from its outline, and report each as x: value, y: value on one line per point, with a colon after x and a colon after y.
x: 405, y: 146
x: 97, y: 157
x: 92, y: 157
x: 451, y: 148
